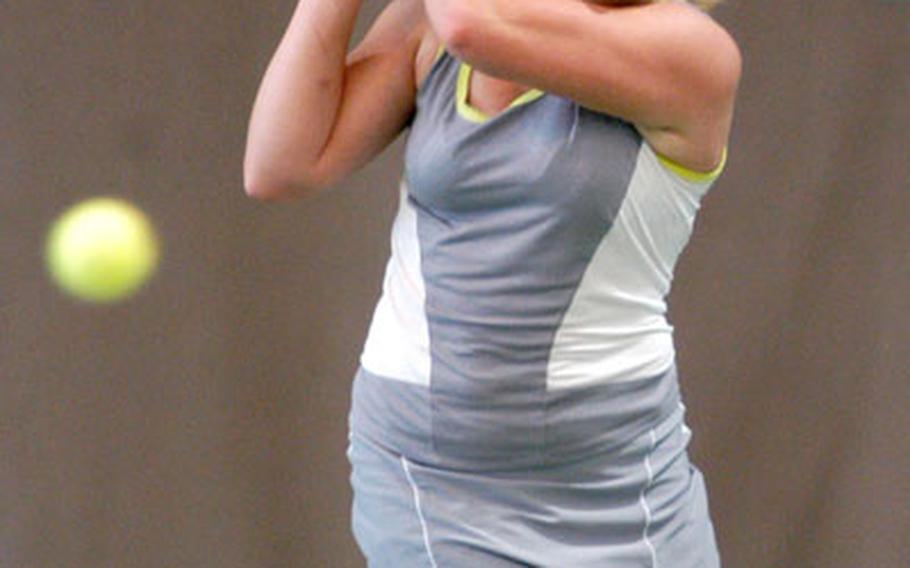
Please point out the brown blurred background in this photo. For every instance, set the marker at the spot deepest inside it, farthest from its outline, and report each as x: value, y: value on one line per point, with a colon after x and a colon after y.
x: 203, y: 423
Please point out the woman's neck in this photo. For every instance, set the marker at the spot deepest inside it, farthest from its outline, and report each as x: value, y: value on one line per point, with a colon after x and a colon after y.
x: 492, y: 94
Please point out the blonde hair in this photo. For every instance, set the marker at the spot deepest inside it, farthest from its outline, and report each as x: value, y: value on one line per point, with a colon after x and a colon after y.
x: 705, y: 4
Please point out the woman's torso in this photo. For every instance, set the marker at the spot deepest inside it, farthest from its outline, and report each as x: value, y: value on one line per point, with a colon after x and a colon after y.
x: 531, y: 256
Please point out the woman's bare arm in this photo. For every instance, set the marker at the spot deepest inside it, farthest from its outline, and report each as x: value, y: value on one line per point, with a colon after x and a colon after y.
x: 666, y: 67
x: 321, y: 113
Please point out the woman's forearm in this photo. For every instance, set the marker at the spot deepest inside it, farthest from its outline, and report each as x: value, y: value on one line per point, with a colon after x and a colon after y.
x: 298, y: 99
x: 454, y: 20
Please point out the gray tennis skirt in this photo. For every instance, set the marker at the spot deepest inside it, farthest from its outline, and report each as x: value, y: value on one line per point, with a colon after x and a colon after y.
x: 609, y: 485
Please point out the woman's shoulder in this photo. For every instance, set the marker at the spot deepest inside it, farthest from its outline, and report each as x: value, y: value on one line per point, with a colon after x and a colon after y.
x: 697, y: 143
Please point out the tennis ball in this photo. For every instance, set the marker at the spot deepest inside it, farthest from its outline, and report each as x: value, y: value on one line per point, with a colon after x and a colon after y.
x: 101, y: 250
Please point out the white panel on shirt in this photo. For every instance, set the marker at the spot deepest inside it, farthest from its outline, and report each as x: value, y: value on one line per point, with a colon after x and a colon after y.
x: 397, y: 344
x: 615, y: 328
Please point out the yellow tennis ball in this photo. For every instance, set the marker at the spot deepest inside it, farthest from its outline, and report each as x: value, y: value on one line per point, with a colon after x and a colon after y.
x: 102, y: 250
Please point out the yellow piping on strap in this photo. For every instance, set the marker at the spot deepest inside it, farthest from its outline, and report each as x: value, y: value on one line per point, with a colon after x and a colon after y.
x: 474, y: 114
x: 692, y: 175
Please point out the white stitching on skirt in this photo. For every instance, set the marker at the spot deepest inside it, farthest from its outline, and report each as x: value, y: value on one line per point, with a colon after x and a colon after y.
x: 423, y: 523
x: 644, y: 503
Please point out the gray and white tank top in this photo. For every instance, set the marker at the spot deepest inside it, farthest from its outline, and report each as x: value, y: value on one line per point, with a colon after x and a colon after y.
x: 532, y: 251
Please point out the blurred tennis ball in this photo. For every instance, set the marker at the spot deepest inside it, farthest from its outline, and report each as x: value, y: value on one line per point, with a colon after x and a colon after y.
x: 101, y: 250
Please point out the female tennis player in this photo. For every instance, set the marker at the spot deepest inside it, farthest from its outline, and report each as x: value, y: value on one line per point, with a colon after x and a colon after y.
x: 517, y: 400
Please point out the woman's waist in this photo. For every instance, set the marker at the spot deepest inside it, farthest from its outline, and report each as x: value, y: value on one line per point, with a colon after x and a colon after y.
x: 506, y: 426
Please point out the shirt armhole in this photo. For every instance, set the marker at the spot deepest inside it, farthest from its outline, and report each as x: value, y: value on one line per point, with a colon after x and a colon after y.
x: 691, y: 175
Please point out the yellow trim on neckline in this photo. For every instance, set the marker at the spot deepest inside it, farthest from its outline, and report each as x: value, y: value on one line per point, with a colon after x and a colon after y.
x: 474, y: 114
x: 690, y: 174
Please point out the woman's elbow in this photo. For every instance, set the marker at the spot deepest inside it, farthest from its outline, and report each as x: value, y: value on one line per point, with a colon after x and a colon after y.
x: 263, y: 184
x: 262, y: 190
